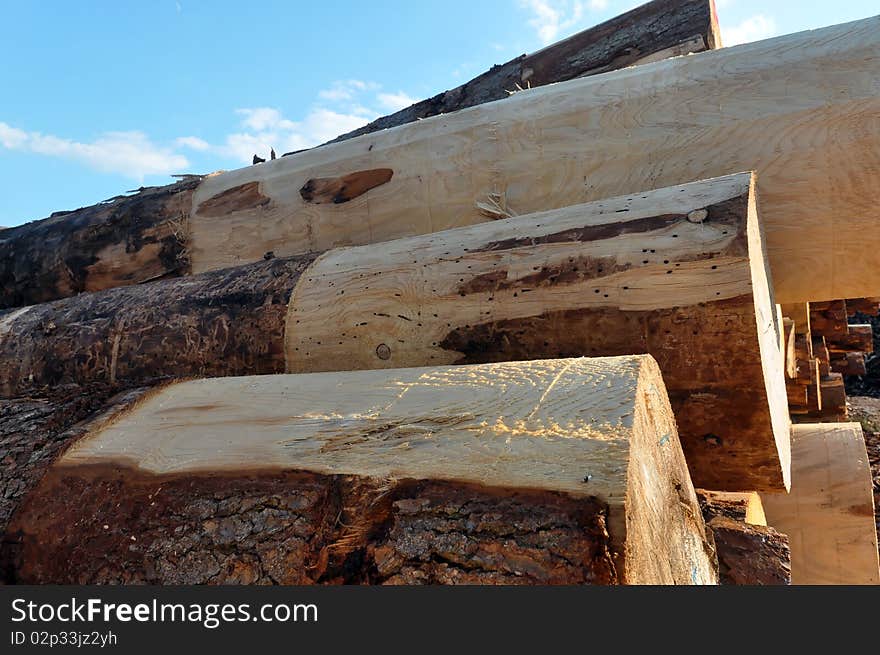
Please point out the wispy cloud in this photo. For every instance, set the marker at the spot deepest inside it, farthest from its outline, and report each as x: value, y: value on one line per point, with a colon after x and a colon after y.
x: 192, y: 142
x: 754, y: 28
x: 266, y: 127
x: 342, y: 107
x: 552, y: 19
x: 131, y: 154
x: 395, y: 101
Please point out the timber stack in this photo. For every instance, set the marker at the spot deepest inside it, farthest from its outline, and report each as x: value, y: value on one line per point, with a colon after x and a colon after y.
x: 550, y: 327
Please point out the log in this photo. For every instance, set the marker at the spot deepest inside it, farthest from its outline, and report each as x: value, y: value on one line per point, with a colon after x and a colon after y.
x: 802, y: 110
x: 859, y: 338
x: 121, y: 241
x: 129, y: 240
x: 228, y: 322
x: 829, y: 514
x: 829, y: 319
x: 749, y: 552
x: 867, y: 306
x: 652, y: 32
x: 615, y: 277
x: 505, y: 473
x: 849, y: 364
x: 623, y: 275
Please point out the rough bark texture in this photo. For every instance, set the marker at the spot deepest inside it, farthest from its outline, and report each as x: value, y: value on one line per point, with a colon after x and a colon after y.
x: 125, y: 240
x: 750, y: 554
x: 747, y: 554
x: 113, y: 527
x: 615, y: 44
x: 228, y: 322
x: 35, y: 431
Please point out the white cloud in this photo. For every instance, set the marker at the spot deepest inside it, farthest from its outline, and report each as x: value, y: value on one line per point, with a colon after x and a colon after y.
x: 754, y: 28
x: 130, y: 154
x: 193, y: 143
x: 270, y: 129
x: 395, y: 101
x: 552, y: 17
x: 342, y: 90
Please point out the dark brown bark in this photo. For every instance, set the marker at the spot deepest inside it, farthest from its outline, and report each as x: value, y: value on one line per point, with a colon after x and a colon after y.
x: 615, y: 44
x: 228, y: 322
x: 114, y: 526
x: 747, y: 554
x: 35, y: 431
x: 121, y: 241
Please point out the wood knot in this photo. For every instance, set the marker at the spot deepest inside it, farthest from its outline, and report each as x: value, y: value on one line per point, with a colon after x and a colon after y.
x: 383, y: 351
x: 698, y: 216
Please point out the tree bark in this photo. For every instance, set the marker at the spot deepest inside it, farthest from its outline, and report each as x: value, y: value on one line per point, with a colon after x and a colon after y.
x: 228, y: 322
x: 749, y: 552
x: 122, y: 241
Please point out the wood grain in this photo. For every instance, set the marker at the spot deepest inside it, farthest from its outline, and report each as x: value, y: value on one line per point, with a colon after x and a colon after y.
x: 829, y: 514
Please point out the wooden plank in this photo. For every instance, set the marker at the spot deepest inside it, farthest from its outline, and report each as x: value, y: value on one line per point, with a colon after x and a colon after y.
x: 622, y: 275
x: 749, y: 552
x: 134, y: 239
x: 652, y: 32
x: 801, y: 110
x: 599, y: 475
x: 829, y: 514
x: 788, y: 348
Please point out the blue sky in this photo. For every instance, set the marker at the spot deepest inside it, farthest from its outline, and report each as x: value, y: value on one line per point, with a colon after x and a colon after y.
x: 99, y: 97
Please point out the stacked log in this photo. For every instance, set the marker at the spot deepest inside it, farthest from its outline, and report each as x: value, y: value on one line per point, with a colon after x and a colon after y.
x: 587, y: 138
x: 827, y: 348
x: 146, y: 236
x: 501, y: 474
x: 624, y: 275
x: 472, y: 348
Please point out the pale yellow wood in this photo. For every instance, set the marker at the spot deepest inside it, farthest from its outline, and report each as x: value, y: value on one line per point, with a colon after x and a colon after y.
x: 829, y: 514
x: 586, y: 427
x: 804, y: 110
x: 614, y: 271
x: 799, y: 312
